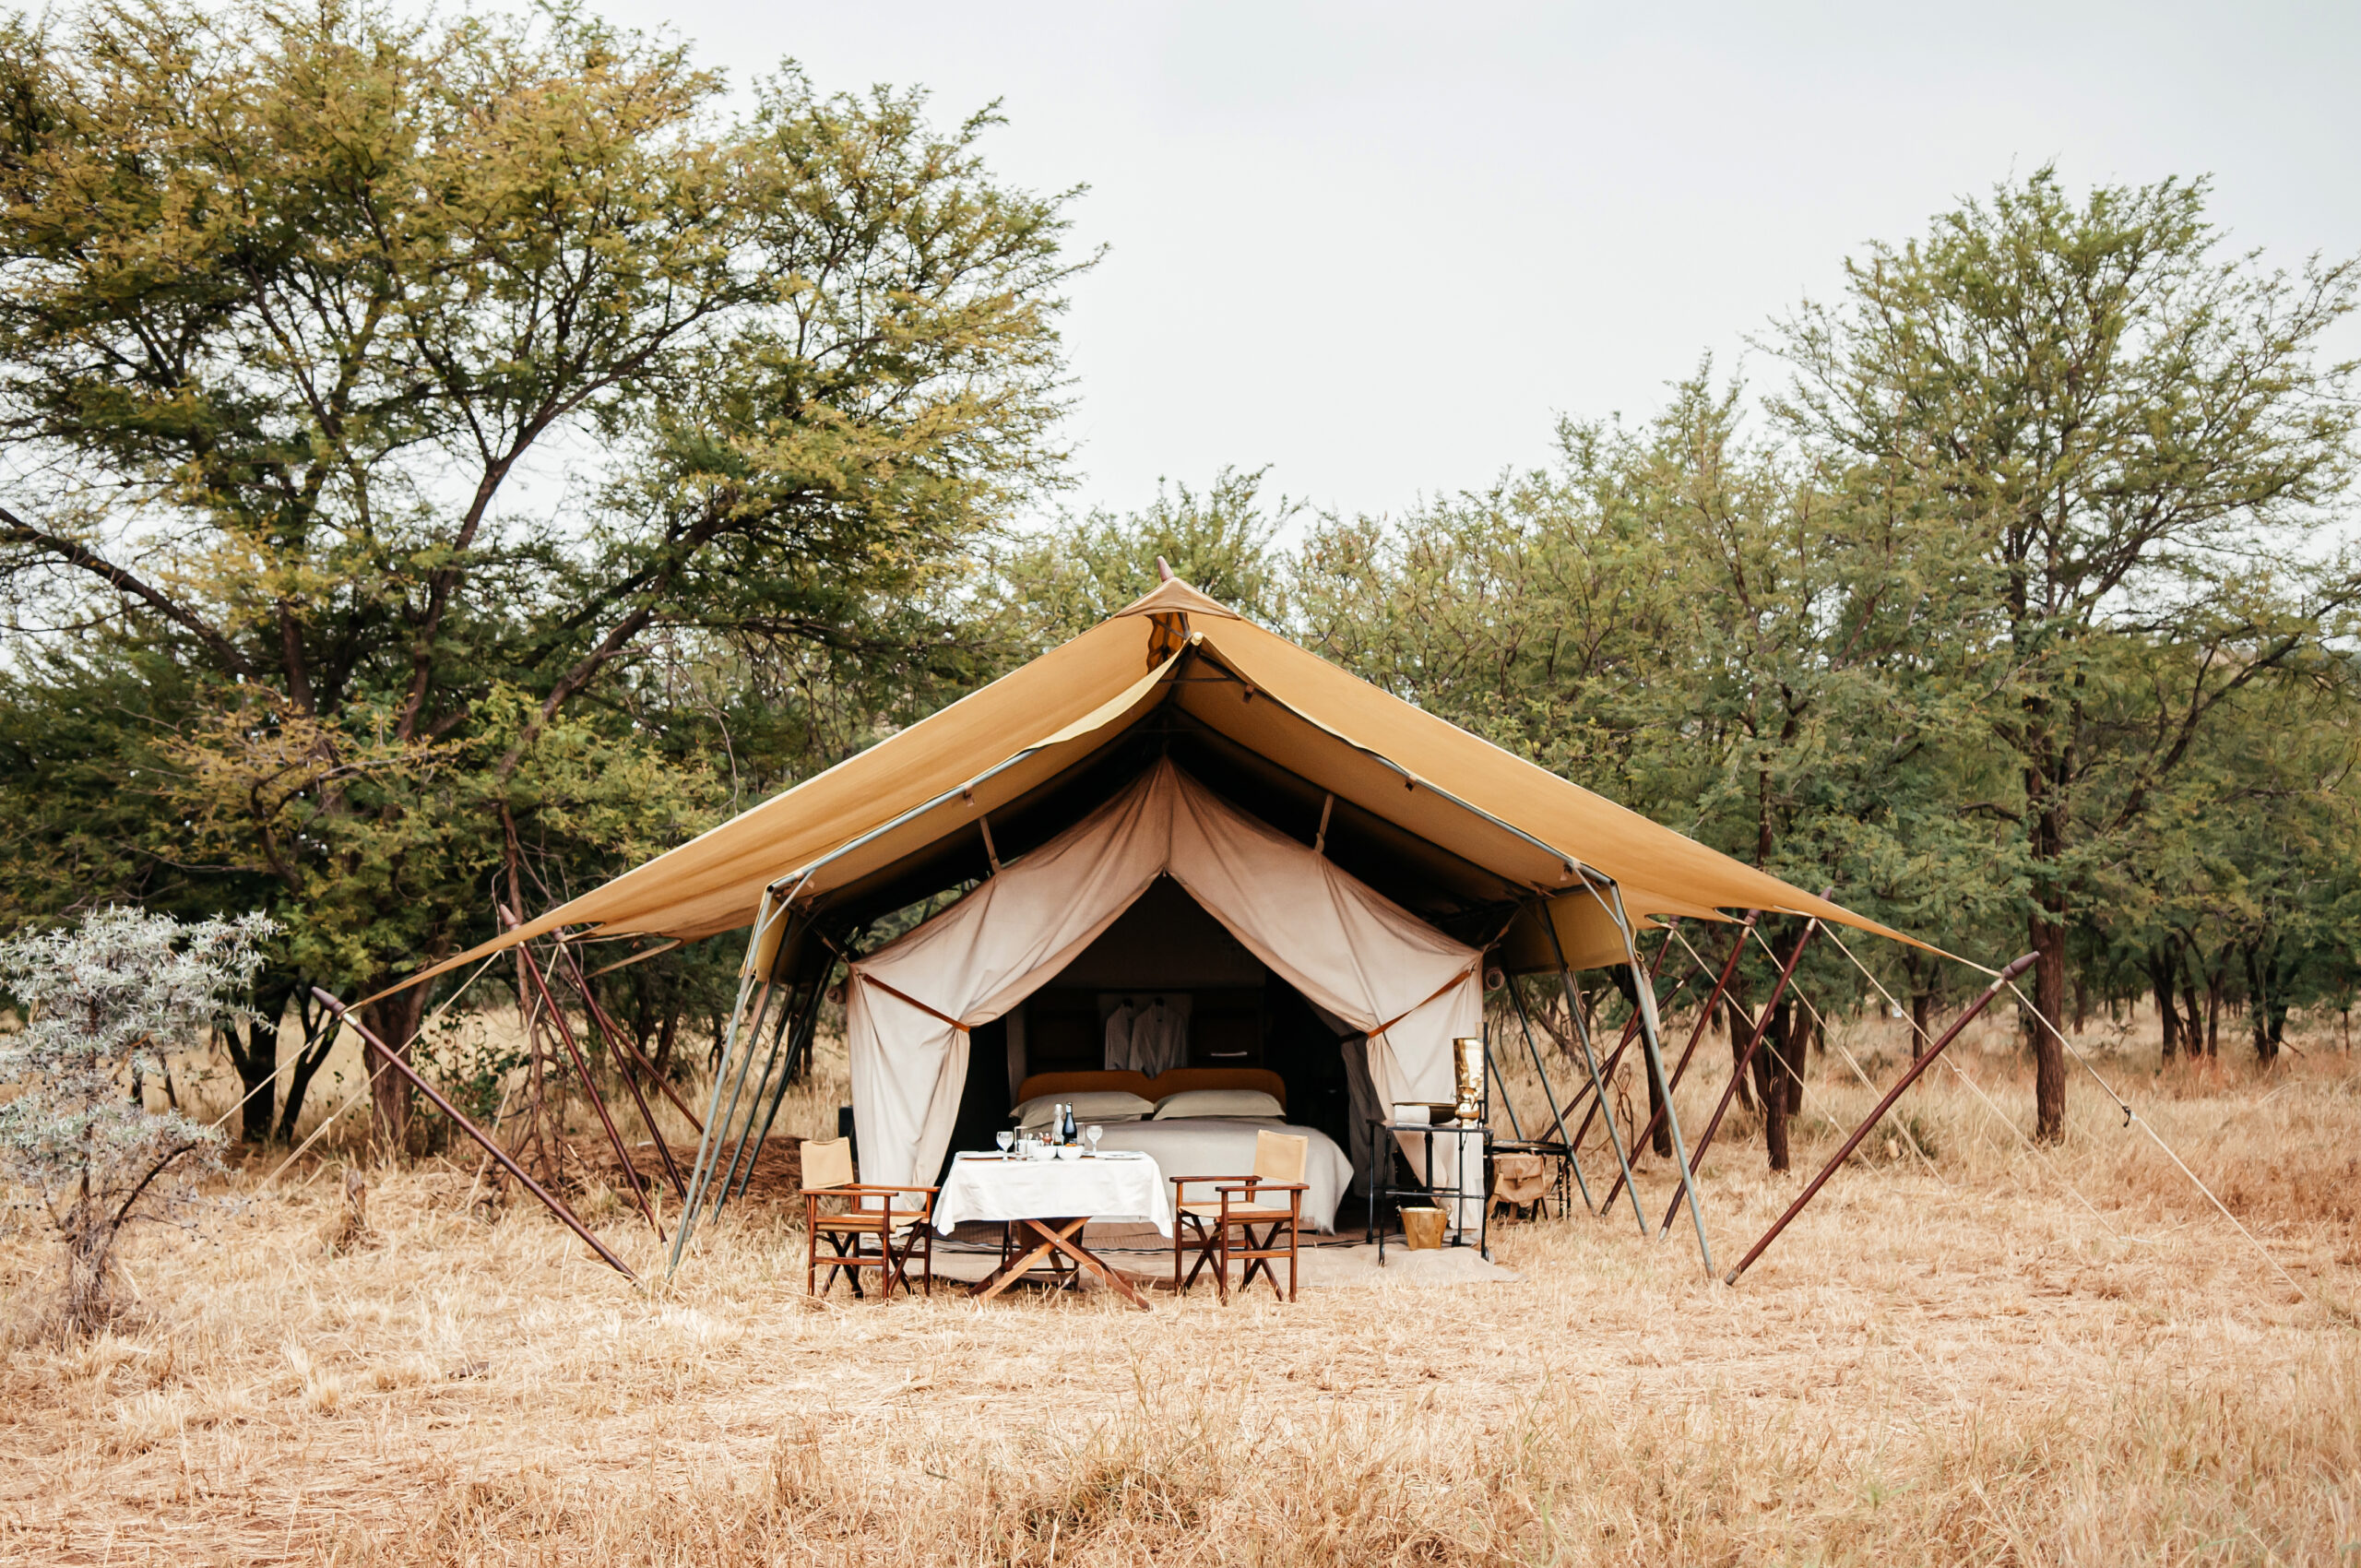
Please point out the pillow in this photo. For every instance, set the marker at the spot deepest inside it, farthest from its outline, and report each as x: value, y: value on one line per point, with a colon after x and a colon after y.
x: 1089, y: 1105
x: 1219, y: 1102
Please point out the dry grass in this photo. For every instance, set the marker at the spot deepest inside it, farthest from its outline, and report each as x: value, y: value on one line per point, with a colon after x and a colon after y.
x: 1961, y: 1365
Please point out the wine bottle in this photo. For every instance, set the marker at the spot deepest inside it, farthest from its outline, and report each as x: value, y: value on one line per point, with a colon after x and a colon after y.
x: 1065, y: 1126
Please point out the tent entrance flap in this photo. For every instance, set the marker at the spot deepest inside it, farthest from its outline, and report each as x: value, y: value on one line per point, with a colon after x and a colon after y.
x: 1346, y: 949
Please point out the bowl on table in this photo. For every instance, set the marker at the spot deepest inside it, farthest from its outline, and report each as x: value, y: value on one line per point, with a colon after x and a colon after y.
x: 1068, y: 1151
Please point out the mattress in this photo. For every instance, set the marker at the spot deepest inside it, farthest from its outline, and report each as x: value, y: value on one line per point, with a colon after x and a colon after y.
x: 1224, y: 1146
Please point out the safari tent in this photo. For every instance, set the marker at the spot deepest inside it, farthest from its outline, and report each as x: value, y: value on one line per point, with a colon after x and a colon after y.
x: 1177, y: 804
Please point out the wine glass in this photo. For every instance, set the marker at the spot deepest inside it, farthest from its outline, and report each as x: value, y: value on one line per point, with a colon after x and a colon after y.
x: 1005, y: 1139
x: 1092, y: 1133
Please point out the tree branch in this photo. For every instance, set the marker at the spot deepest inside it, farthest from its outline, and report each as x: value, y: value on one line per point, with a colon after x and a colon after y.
x: 17, y: 531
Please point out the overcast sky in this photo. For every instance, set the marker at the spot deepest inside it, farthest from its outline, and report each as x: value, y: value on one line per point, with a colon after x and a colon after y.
x: 1382, y: 247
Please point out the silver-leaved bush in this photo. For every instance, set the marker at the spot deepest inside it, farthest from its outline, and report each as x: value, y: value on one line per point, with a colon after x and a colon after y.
x: 102, y: 1002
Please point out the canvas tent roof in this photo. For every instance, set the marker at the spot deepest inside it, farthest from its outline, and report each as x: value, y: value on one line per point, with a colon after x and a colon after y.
x: 1414, y: 786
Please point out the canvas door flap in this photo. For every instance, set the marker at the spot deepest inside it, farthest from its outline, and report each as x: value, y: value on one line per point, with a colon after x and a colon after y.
x: 1352, y: 952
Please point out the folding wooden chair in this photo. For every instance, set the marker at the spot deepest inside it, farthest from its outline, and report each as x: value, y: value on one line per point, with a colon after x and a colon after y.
x: 1237, y: 1210
x: 898, y: 1232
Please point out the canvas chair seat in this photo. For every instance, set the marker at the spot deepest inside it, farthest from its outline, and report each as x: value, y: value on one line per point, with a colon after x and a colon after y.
x: 1224, y: 1230
x: 870, y: 1224
x: 1235, y: 1211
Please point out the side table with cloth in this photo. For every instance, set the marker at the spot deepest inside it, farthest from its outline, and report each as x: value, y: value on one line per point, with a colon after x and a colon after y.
x: 1049, y: 1201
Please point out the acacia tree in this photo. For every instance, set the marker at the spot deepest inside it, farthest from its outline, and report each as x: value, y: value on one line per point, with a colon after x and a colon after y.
x: 2125, y: 423
x: 105, y: 1000
x: 401, y: 384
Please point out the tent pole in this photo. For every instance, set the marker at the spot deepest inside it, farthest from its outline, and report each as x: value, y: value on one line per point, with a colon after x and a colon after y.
x: 1874, y: 1117
x: 1632, y: 1032
x: 624, y: 1172
x: 1746, y: 1058
x: 549, y: 1200
x: 1582, y: 1037
x: 615, y: 1041
x: 1574, y: 1157
x: 788, y: 1011
x: 767, y: 913
x: 793, y: 1024
x: 798, y: 1043
x: 1704, y: 1018
x: 1651, y: 1029
x: 1506, y: 1103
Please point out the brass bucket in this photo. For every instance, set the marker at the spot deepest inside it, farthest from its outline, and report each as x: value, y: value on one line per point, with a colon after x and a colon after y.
x: 1422, y: 1228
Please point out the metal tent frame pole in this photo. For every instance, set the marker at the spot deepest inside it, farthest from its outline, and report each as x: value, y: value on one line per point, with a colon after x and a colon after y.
x: 1574, y: 1154
x: 1746, y: 1058
x: 1704, y: 1020
x: 798, y: 1035
x: 770, y: 912
x: 1651, y: 1041
x: 1582, y: 1037
x: 1966, y: 1015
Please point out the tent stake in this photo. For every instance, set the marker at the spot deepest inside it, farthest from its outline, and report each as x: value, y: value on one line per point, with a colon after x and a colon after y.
x: 1651, y: 1030
x: 1738, y: 950
x: 1582, y: 1037
x: 1917, y: 1068
x: 550, y: 1200
x: 1746, y: 1060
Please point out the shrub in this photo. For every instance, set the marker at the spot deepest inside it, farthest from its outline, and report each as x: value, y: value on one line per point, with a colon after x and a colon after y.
x: 103, y: 1001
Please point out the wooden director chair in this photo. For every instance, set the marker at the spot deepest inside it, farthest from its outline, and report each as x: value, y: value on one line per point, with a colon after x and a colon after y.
x: 1237, y: 1208
x: 870, y: 1212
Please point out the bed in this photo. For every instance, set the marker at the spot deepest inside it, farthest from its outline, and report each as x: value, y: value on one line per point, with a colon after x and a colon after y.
x: 1209, y: 1145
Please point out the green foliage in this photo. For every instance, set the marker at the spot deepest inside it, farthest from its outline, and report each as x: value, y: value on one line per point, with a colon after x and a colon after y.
x: 1062, y: 582
x: 416, y: 424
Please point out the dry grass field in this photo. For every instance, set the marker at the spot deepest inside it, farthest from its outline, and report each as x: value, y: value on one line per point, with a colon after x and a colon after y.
x: 1961, y: 1364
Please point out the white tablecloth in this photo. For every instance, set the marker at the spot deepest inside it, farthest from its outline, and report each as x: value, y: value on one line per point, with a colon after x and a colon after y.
x: 1106, y: 1186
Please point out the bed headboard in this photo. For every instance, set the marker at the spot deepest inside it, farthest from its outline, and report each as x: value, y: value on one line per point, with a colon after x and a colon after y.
x: 1172, y: 1080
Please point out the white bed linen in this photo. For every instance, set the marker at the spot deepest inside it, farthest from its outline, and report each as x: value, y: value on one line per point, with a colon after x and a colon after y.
x: 1224, y: 1146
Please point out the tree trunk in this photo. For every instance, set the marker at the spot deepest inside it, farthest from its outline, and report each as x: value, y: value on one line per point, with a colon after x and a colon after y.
x: 1740, y: 1025
x: 319, y: 1038
x: 2216, y: 973
x: 1800, y: 1030
x: 1770, y: 1069
x: 394, y: 1019
x: 1661, y: 1141
x: 664, y: 1038
x: 2160, y: 979
x: 253, y: 1043
x: 90, y: 1277
x: 2048, y: 939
